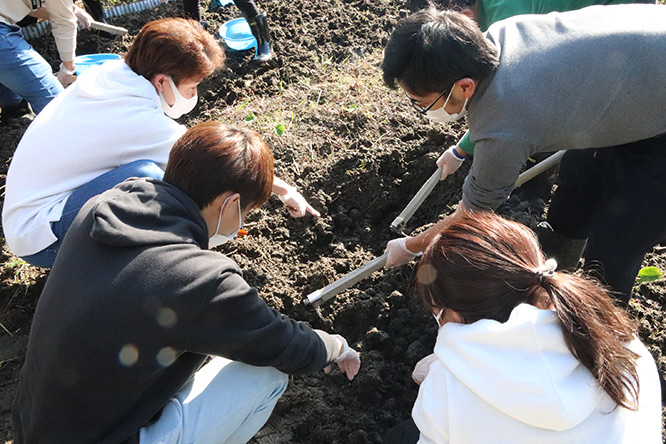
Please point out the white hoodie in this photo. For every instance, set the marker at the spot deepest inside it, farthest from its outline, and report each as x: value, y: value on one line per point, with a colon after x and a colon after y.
x: 109, y: 117
x: 517, y: 382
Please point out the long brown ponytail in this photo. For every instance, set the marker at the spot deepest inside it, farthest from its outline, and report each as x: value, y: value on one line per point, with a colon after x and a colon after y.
x: 483, y: 266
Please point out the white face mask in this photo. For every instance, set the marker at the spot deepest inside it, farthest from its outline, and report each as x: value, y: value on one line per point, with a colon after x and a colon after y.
x: 440, y: 115
x: 181, y: 105
x: 437, y: 317
x: 218, y: 239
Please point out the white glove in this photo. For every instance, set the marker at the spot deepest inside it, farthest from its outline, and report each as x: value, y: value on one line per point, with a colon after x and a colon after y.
x: 83, y: 19
x: 296, y: 203
x: 422, y: 368
x: 65, y: 76
x: 449, y: 161
x: 348, y: 360
x: 398, y: 253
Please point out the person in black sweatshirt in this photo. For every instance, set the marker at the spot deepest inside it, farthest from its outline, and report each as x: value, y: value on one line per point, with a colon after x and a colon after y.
x: 136, y: 303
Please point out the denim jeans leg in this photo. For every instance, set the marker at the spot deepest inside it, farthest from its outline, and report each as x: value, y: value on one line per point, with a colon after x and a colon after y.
x: 226, y: 402
x: 108, y: 180
x: 78, y: 198
x: 24, y: 72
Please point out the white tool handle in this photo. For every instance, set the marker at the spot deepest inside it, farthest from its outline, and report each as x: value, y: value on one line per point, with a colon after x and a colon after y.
x: 320, y: 296
x: 539, y: 168
x: 316, y: 298
x: 108, y: 28
x: 417, y: 200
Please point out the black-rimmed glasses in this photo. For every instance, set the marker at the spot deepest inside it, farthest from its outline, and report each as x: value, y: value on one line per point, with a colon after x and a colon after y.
x: 421, y: 110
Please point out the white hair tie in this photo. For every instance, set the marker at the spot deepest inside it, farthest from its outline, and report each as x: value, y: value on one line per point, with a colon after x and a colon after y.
x: 547, y: 269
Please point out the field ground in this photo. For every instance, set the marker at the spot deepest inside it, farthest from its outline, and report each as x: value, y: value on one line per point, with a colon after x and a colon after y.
x: 359, y: 153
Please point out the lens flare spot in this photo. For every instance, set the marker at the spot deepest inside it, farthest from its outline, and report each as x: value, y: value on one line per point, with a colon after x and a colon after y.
x: 128, y: 355
x: 426, y: 274
x: 166, y: 317
x: 166, y: 356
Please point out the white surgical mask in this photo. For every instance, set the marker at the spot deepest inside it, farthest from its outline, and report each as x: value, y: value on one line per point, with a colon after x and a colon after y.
x: 440, y: 115
x: 438, y: 316
x: 218, y: 239
x: 181, y: 105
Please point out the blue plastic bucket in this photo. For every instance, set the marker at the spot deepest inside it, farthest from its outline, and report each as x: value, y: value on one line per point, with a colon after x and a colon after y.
x: 89, y: 60
x: 237, y: 35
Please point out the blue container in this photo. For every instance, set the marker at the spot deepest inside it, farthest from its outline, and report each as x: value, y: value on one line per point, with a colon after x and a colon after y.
x: 237, y: 35
x: 89, y: 60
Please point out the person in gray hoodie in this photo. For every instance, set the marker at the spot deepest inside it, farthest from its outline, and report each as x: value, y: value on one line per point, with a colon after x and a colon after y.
x: 587, y: 81
x: 136, y: 303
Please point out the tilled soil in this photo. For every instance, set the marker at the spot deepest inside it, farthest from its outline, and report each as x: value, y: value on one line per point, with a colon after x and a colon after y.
x: 358, y: 163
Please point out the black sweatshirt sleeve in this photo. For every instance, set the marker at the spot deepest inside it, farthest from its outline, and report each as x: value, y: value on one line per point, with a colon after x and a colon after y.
x: 235, y: 323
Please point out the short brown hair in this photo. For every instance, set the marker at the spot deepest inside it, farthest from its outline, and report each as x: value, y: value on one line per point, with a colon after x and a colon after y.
x: 176, y: 47
x: 211, y: 158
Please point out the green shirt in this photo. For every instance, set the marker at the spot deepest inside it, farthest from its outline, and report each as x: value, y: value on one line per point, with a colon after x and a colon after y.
x: 491, y: 11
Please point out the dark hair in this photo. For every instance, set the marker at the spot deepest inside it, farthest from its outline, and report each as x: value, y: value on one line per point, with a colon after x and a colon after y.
x: 483, y: 266
x: 431, y: 49
x: 211, y: 158
x: 176, y: 47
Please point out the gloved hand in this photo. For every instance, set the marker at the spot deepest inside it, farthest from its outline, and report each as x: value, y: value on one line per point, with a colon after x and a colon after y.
x: 422, y: 368
x: 65, y: 76
x: 348, y: 360
x: 83, y: 19
x: 398, y: 253
x: 296, y: 203
x: 449, y: 161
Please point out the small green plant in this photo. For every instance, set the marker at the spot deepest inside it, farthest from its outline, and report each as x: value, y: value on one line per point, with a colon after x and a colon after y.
x: 250, y: 117
x: 279, y: 129
x: 22, y: 272
x: 649, y: 274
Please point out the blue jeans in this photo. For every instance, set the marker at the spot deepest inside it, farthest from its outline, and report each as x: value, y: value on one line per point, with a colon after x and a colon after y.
x: 226, y: 402
x: 78, y: 198
x: 24, y: 74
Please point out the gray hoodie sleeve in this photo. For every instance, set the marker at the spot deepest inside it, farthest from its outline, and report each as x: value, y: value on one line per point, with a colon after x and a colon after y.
x: 495, y: 168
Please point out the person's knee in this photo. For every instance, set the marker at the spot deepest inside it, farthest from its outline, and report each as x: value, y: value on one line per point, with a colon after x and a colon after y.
x: 271, y: 378
x: 146, y: 168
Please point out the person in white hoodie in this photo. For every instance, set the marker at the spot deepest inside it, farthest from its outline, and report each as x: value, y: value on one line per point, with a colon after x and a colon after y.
x: 525, y: 354
x: 113, y: 123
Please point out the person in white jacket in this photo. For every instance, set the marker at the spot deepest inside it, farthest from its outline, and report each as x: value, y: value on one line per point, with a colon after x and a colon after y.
x: 113, y: 123
x: 525, y: 354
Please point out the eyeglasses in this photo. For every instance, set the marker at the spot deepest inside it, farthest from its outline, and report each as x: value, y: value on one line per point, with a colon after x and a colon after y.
x: 421, y: 110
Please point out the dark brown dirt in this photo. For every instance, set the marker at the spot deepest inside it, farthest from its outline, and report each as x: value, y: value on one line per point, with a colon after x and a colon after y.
x: 359, y: 165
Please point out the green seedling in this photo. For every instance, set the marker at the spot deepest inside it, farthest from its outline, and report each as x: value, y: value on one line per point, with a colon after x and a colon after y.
x: 649, y: 274
x: 279, y: 129
x: 22, y: 272
x: 243, y: 105
x: 250, y: 117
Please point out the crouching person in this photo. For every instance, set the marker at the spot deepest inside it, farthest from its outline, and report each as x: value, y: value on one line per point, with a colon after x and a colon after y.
x: 524, y: 353
x: 135, y: 304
